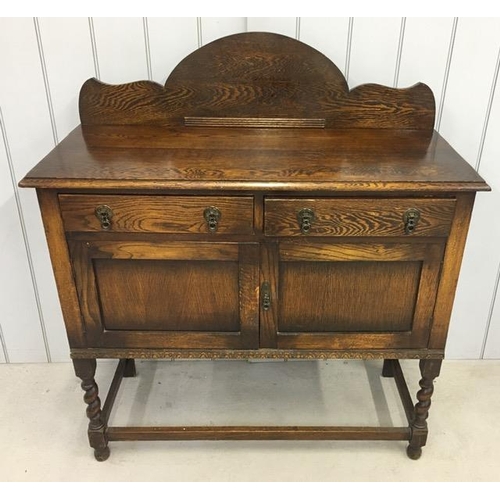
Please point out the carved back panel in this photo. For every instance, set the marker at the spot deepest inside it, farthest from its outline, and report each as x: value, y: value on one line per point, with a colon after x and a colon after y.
x: 257, y: 80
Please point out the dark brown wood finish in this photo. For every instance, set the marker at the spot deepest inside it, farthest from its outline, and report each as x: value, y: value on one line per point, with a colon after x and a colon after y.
x: 257, y: 75
x: 261, y: 353
x: 358, y: 217
x: 354, y: 296
x: 344, y: 161
x: 202, y: 252
x: 430, y: 370
x: 189, y: 295
x: 392, y: 368
x: 62, y: 267
x: 258, y: 432
x: 98, y: 439
x: 158, y: 214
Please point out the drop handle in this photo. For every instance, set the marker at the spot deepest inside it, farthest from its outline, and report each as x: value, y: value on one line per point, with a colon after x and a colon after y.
x: 410, y: 219
x: 104, y: 214
x: 305, y: 217
x: 212, y: 215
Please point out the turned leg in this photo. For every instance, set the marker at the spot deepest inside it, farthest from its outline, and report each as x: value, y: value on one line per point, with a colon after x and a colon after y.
x: 387, y: 369
x: 130, y: 370
x: 85, y: 370
x: 429, y: 368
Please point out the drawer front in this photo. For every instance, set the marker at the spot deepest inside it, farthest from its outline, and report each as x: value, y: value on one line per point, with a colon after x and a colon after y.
x: 358, y: 217
x: 158, y: 214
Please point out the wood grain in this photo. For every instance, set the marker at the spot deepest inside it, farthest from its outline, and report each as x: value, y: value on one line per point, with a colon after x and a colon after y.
x: 257, y: 432
x: 163, y: 250
x: 85, y: 370
x: 347, y: 296
x: 358, y: 217
x: 159, y: 214
x: 167, y: 295
x: 451, y: 269
x: 62, y: 267
x: 324, y: 161
x: 430, y: 370
x: 269, y: 274
x: 351, y: 252
x: 160, y: 295
x: 262, y: 75
x: 232, y: 129
x: 356, y: 295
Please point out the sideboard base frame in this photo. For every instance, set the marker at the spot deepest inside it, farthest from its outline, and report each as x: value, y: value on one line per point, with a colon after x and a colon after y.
x: 100, y: 433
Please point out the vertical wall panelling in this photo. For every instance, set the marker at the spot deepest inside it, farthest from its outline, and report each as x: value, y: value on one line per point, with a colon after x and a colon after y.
x: 491, y: 348
x: 327, y: 34
x: 19, y: 319
x: 217, y: 27
x: 465, y: 111
x: 63, y: 86
x: 4, y: 355
x: 492, y: 342
x: 94, y: 48
x: 120, y: 49
x: 489, y: 167
x: 28, y: 129
x: 424, y: 58
x: 400, y: 50
x: 469, y: 83
x: 170, y: 41
x: 45, y: 80
x: 439, y: 111
x: 75, y: 53
x: 282, y: 25
x: 348, y: 48
x: 374, y: 50
x: 199, y: 31
x: 45, y: 61
x: 489, y: 108
x: 11, y: 315
x: 147, y: 46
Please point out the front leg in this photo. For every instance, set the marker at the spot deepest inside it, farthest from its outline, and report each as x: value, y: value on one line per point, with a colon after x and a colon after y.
x: 85, y: 370
x: 429, y: 368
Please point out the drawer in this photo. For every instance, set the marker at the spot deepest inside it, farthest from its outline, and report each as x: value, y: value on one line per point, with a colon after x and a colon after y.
x: 158, y: 214
x: 358, y: 217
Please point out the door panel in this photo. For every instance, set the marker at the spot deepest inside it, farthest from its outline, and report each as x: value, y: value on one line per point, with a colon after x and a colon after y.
x: 180, y: 295
x: 352, y: 296
x: 130, y: 291
x: 348, y: 296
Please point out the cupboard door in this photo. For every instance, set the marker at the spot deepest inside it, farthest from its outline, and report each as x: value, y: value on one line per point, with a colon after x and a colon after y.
x: 191, y: 295
x: 351, y: 296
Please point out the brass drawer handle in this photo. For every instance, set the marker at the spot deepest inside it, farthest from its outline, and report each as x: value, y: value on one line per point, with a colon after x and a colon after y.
x: 305, y: 218
x: 104, y: 214
x: 265, y: 291
x: 410, y: 219
x: 212, y: 215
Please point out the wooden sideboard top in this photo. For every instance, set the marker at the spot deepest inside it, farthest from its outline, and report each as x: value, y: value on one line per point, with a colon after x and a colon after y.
x: 190, y: 158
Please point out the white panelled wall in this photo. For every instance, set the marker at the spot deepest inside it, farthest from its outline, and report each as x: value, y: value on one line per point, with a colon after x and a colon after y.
x: 44, y: 62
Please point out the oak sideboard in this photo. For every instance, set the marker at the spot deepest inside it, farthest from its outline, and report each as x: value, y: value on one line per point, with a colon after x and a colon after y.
x: 255, y: 207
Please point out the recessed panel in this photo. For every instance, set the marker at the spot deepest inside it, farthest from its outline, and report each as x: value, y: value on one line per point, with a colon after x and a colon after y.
x: 168, y: 295
x: 347, y: 296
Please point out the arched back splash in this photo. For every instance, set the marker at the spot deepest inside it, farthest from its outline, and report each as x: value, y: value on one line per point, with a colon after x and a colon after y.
x: 257, y: 80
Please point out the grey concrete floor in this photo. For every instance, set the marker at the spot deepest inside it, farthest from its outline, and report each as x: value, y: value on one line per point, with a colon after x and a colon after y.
x: 43, y: 423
